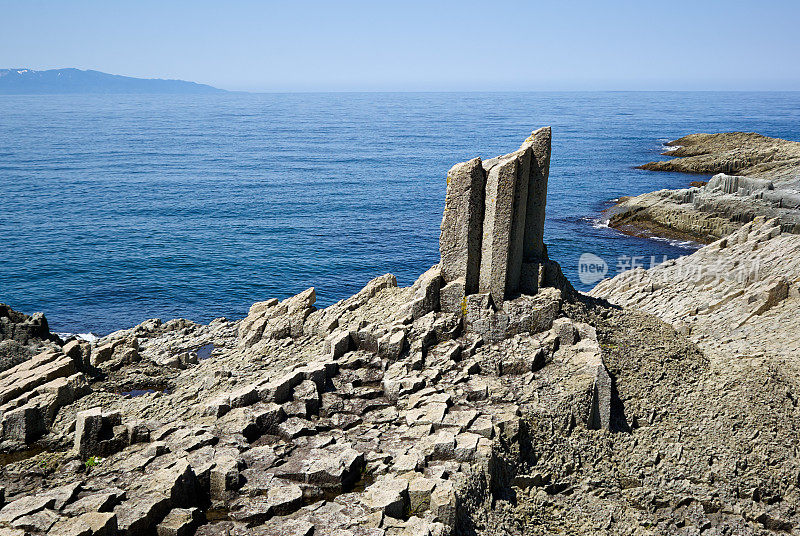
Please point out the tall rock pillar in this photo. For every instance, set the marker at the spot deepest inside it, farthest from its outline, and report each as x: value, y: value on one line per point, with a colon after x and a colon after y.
x: 535, y: 252
x: 462, y: 225
x: 504, y: 223
x: 493, y: 225
x: 539, y: 143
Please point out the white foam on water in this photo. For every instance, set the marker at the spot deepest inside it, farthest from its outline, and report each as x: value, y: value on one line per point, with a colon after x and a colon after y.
x: 685, y: 244
x: 597, y: 223
x: 89, y: 337
x: 603, y: 223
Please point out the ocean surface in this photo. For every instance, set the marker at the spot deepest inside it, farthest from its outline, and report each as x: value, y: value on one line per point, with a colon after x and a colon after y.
x: 119, y: 208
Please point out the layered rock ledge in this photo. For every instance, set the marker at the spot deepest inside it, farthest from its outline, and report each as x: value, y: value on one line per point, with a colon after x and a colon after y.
x: 736, y: 299
x: 754, y: 176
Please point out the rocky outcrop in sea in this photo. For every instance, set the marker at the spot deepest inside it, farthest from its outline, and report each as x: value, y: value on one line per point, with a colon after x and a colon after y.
x: 754, y: 176
x: 489, y: 397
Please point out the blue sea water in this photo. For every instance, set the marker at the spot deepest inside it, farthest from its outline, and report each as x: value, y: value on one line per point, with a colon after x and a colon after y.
x: 119, y: 208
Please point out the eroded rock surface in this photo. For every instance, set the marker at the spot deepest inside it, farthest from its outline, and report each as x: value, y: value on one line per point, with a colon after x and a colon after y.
x: 754, y: 176
x: 734, y: 297
x: 734, y: 153
x: 492, y: 238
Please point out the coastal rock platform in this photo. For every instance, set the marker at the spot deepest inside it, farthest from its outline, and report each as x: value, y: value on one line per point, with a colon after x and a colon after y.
x: 753, y: 176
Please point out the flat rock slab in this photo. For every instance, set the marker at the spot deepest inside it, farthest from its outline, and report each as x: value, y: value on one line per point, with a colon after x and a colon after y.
x: 25, y: 506
x: 179, y: 522
x: 88, y: 524
x: 389, y: 496
x: 286, y: 527
x: 285, y: 498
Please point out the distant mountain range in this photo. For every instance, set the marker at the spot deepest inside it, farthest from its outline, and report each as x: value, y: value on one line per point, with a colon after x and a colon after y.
x: 53, y: 81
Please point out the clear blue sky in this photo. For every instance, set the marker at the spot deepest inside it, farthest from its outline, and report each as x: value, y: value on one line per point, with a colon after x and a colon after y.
x: 411, y: 45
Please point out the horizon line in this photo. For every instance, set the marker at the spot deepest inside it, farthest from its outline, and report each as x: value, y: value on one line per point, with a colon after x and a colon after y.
x: 412, y: 91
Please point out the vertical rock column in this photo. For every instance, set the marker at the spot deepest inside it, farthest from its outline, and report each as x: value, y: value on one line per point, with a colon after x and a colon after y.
x: 535, y: 253
x: 516, y: 254
x: 493, y: 225
x: 504, y: 223
x: 539, y: 142
x: 462, y: 228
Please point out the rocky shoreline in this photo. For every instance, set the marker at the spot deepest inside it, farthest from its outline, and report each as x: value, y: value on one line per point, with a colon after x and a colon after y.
x: 753, y: 176
x: 487, y: 398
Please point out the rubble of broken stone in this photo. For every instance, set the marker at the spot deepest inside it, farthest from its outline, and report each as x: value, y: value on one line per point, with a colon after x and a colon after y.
x: 374, y: 415
x: 379, y: 417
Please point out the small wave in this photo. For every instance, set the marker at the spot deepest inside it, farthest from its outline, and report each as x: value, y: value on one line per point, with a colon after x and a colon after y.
x: 685, y: 244
x: 671, y: 148
x: 603, y: 223
x: 596, y: 222
x: 89, y: 337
